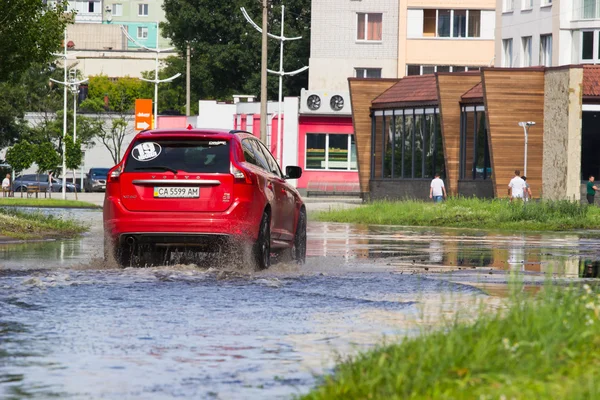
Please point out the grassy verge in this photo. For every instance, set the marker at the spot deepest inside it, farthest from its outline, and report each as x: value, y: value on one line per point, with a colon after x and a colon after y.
x: 546, y: 347
x: 20, y: 225
x: 59, y: 203
x: 473, y: 213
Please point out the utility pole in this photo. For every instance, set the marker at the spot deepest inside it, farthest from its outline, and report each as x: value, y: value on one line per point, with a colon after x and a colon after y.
x: 281, y: 73
x: 187, y: 79
x: 263, y: 73
x: 156, y: 81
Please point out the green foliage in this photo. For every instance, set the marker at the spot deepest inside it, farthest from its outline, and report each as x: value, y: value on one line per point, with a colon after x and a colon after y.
x: 121, y: 94
x: 21, y: 225
x: 226, y: 54
x: 46, y: 157
x: 30, y: 31
x: 73, y: 153
x: 543, y: 347
x: 498, y: 214
x: 20, y: 156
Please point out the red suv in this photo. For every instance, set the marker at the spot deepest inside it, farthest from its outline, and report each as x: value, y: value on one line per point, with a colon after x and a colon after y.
x: 201, y: 190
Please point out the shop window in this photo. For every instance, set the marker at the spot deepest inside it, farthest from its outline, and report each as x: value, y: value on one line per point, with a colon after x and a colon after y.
x: 330, y: 152
x: 407, y: 144
x: 474, y: 149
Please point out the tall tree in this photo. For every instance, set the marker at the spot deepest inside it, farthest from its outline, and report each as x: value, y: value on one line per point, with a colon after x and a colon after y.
x: 226, y: 48
x: 30, y: 31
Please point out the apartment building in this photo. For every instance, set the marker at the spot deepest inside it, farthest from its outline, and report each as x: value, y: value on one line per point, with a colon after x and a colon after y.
x: 141, y: 19
x: 547, y: 32
x: 351, y: 38
x: 445, y: 36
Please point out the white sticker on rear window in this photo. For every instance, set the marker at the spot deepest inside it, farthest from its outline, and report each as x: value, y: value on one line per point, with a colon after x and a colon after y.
x: 217, y: 143
x: 146, y: 151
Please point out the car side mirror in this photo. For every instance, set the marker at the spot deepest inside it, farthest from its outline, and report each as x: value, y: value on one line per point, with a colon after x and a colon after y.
x: 293, y: 172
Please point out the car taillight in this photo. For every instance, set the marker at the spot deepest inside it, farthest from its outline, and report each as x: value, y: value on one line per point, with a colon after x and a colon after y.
x: 241, y: 175
x: 113, y: 175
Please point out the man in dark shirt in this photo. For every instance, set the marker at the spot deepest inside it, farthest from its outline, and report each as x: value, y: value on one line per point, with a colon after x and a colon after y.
x: 591, y: 190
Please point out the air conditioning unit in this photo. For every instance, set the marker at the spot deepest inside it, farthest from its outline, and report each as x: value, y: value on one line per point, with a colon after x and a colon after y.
x: 325, y: 102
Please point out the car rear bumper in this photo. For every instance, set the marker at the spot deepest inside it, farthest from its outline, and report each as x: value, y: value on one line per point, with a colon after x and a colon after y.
x: 240, y: 221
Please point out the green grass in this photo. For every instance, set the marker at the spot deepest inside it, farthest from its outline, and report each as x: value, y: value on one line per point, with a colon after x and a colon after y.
x: 472, y: 213
x: 24, y: 202
x: 26, y: 226
x: 547, y: 347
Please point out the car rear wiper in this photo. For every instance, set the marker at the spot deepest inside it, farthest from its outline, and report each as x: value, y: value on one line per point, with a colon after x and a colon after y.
x: 160, y: 168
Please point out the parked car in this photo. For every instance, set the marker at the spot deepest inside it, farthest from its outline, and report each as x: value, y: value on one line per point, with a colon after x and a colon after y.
x: 22, y: 182
x: 201, y: 190
x: 95, y: 180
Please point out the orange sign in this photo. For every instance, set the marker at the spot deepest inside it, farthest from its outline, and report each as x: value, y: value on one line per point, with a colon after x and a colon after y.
x: 143, y: 114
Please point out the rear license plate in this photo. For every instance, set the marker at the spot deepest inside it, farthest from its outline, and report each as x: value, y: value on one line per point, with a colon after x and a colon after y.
x: 174, y: 192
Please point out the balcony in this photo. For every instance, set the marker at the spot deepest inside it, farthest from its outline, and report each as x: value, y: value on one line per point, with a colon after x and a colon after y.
x: 88, y: 18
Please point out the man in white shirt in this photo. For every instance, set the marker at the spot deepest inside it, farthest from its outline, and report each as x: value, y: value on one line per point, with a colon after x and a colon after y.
x: 516, y: 187
x: 6, y: 184
x: 437, y: 191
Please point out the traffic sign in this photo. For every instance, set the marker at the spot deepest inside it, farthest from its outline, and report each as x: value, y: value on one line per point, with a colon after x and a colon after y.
x: 143, y: 114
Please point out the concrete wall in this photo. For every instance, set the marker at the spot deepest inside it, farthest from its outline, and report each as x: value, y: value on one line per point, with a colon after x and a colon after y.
x: 399, y: 189
x: 335, y: 52
x: 483, y: 189
x: 561, y: 169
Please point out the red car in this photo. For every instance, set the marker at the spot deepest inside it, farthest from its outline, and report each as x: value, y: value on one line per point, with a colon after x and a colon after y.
x: 202, y: 190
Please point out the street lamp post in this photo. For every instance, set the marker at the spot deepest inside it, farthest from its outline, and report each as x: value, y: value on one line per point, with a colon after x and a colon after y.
x: 156, y: 81
x: 526, y: 125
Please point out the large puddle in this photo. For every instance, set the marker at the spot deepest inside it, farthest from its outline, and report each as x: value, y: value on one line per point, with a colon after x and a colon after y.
x: 72, y: 327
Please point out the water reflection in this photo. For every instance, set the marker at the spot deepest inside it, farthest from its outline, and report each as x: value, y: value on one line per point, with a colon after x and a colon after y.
x: 542, y: 253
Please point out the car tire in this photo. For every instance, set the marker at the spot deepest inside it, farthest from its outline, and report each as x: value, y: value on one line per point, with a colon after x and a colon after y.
x: 262, y: 246
x: 21, y: 189
x: 299, y: 249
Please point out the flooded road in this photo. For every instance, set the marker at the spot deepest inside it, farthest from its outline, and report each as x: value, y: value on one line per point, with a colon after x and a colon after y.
x: 74, y: 328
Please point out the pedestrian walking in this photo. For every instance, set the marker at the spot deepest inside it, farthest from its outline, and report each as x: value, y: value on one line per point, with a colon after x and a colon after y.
x: 591, y: 190
x: 6, y: 185
x: 527, y: 191
x: 516, y: 186
x: 437, y: 190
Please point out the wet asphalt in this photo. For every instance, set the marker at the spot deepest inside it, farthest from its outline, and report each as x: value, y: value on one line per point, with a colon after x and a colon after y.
x: 73, y: 327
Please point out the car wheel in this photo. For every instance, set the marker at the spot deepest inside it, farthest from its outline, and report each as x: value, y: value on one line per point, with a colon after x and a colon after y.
x: 21, y: 189
x: 262, y: 247
x: 299, y: 249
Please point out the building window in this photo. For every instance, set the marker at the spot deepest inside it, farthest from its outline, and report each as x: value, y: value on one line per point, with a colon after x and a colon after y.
x: 526, y: 4
x: 588, y: 9
x: 142, y: 32
x: 546, y: 50
x: 330, y: 152
x: 508, y: 5
x: 587, y: 46
x: 474, y: 160
x: 452, y: 23
x: 368, y: 73
x: 526, y: 42
x: 546, y: 3
x: 117, y: 10
x: 507, y: 52
x: 407, y: 144
x: 369, y: 27
x: 142, y: 10
x: 430, y: 69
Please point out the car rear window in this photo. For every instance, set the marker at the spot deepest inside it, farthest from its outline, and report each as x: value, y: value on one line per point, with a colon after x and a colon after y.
x: 206, y: 156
